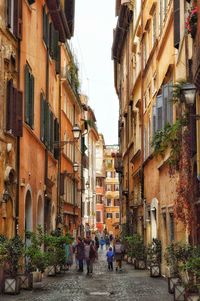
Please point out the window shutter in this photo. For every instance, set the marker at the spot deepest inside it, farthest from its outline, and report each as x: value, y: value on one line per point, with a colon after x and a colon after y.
x: 51, y: 37
x: 170, y: 104
x: 153, y: 120
x: 58, y: 60
x: 31, y: 112
x: 51, y: 131
x: 55, y: 45
x: 42, y: 117
x: 18, y: 19
x: 19, y: 114
x: 14, y: 112
x: 9, y: 13
x: 49, y: 127
x: 46, y: 123
x: 27, y: 94
x: 144, y: 141
x: 9, y: 105
x: 56, y: 138
x: 165, y: 97
x: 176, y: 23
x: 62, y: 184
x: 159, y: 115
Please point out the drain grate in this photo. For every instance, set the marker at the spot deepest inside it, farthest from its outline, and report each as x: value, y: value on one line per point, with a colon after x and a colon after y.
x: 100, y: 293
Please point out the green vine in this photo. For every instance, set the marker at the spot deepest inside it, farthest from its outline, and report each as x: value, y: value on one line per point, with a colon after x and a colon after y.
x: 177, y: 90
x: 169, y: 137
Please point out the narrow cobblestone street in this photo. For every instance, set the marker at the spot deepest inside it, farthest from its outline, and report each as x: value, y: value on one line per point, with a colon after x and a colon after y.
x: 128, y: 285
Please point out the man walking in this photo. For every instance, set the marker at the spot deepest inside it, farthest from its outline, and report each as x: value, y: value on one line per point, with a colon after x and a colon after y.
x: 119, y: 253
x: 80, y: 252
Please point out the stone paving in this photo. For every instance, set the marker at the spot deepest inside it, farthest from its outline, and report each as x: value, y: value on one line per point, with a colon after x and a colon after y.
x: 128, y: 285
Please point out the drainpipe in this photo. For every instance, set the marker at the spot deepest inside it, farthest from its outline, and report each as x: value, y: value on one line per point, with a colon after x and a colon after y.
x: 58, y: 219
x: 18, y: 149
x: 74, y: 180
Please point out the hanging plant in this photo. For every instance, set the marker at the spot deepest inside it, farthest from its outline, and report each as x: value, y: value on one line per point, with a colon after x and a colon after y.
x: 191, y: 20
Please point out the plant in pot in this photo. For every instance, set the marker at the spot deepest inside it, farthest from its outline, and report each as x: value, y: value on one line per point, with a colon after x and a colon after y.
x: 137, y: 251
x: 192, y: 292
x: 3, y: 259
x: 191, y: 21
x: 154, y: 255
x: 55, y: 249
x: 14, y: 252
x: 36, y: 257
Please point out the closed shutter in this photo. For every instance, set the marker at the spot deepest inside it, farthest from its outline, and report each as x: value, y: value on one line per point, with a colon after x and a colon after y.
x: 9, y: 105
x: 51, y: 37
x: 46, y: 110
x: 9, y: 13
x: 159, y: 115
x: 42, y: 104
x: 58, y: 60
x: 51, y: 131
x: 144, y: 141
x: 14, y: 112
x: 17, y: 30
x: 62, y: 184
x: 19, y: 114
x: 56, y: 139
x: 153, y: 120
x: 31, y: 101
x: 165, y: 101
x: 27, y: 94
x: 176, y: 23
x: 170, y: 104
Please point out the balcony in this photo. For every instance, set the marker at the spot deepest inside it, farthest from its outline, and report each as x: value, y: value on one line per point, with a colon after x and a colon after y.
x: 70, y: 75
x: 118, y: 163
x: 62, y: 14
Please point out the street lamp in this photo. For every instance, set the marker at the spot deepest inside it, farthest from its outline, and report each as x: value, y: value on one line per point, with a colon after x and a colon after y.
x: 189, y: 93
x: 6, y: 196
x: 76, y: 131
x: 75, y: 167
x: 87, y: 185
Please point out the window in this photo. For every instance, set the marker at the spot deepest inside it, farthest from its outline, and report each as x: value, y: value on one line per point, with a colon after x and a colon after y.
x: 153, y: 29
x: 154, y: 84
x: 116, y: 187
x: 99, y: 182
x: 117, y: 214
x: 109, y: 174
x: 88, y: 208
x: 14, y: 17
x: 29, y: 97
x: 171, y: 226
x: 116, y: 203
x: 109, y: 215
x: 99, y: 199
x: 31, y: 2
x: 98, y: 216
x: 14, y: 109
x: 109, y: 202
x: 176, y: 23
x: 109, y: 187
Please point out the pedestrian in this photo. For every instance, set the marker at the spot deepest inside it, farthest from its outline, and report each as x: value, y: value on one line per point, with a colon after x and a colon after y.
x: 110, y: 258
x: 107, y: 240
x: 96, y: 245
x: 80, y: 252
x: 90, y: 255
x: 68, y: 255
x: 102, y: 242
x: 111, y: 238
x: 118, y: 253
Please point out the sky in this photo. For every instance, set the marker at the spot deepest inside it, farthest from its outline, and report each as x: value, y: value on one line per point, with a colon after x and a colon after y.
x: 92, y: 42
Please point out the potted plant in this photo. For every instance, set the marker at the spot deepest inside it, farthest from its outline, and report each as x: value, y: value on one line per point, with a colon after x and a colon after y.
x: 137, y: 251
x: 172, y: 260
x: 191, y: 21
x: 3, y: 258
x: 14, y: 251
x: 36, y: 257
x: 154, y: 254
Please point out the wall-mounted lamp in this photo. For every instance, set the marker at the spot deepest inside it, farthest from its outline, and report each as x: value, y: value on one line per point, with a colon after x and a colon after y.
x: 87, y: 185
x: 6, y: 196
x: 76, y: 131
x: 189, y: 93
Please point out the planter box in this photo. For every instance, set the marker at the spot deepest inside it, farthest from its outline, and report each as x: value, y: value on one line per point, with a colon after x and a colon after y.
x: 26, y: 281
x: 37, y: 277
x: 1, y: 280
x: 58, y: 269
x: 51, y: 271
x: 171, y: 282
x: 129, y: 260
x: 179, y: 292
x: 140, y: 264
x: 192, y: 297
x: 155, y: 270
x: 12, y: 285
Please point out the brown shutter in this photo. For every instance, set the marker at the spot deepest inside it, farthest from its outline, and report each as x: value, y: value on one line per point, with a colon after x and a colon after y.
x: 14, y: 128
x: 42, y: 117
x: 56, y: 139
x: 19, y: 115
x: 31, y: 112
x: 9, y: 105
x: 9, y: 13
x: 176, y: 23
x: 62, y: 184
x: 18, y: 19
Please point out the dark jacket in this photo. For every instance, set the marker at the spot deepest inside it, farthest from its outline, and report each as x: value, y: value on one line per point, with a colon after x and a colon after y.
x: 80, y: 251
x: 118, y: 254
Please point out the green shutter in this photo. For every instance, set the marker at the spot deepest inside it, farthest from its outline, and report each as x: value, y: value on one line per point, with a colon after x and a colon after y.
x: 56, y: 139
x: 46, y: 123
x: 26, y: 94
x: 31, y: 100
x: 45, y: 25
x: 42, y: 104
x: 51, y: 131
x: 58, y: 60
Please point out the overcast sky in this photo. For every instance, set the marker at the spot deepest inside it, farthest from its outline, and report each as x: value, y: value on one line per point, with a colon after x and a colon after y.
x: 92, y: 42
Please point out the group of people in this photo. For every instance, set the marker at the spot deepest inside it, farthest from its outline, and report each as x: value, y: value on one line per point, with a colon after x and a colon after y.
x: 86, y: 250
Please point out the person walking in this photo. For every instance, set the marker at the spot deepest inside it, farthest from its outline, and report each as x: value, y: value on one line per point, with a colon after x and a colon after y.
x: 96, y: 245
x: 110, y: 258
x: 102, y: 242
x: 107, y: 240
x: 80, y: 253
x: 90, y: 255
x: 118, y: 253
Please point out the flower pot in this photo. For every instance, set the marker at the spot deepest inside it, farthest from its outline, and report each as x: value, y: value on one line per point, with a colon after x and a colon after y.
x: 12, y: 285
x: 179, y: 292
x: 192, y: 297
x: 140, y: 264
x: 51, y: 270
x: 26, y: 281
x: 37, y: 279
x: 155, y: 270
x: 58, y: 269
x: 171, y: 282
x: 129, y: 259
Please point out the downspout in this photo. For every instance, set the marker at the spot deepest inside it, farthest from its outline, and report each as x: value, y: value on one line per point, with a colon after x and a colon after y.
x: 127, y: 142
x: 74, y: 180
x: 18, y: 149
x: 58, y: 219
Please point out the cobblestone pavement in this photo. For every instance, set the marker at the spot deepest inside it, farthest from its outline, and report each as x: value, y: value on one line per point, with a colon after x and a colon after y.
x: 128, y: 285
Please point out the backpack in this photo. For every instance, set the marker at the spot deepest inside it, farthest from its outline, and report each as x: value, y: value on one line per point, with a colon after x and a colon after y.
x: 118, y: 248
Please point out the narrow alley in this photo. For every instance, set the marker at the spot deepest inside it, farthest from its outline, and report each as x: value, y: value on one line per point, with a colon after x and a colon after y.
x: 72, y: 286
